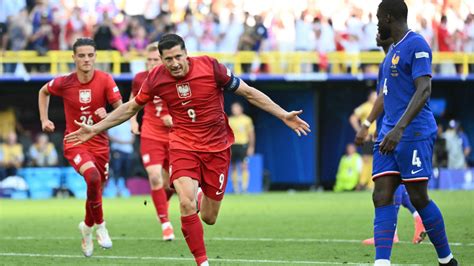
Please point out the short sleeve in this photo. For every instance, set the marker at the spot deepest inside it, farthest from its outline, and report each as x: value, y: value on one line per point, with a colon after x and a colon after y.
x: 225, y: 79
x: 143, y: 96
x: 54, y: 86
x: 113, y: 92
x: 421, y: 59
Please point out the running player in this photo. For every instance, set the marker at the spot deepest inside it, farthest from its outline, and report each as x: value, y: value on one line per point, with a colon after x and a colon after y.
x: 85, y: 94
x: 154, y: 147
x: 200, y: 138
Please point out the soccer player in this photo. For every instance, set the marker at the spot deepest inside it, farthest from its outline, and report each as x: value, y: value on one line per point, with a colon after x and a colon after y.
x: 154, y: 147
x: 405, y: 141
x: 85, y: 93
x: 401, y: 196
x: 200, y: 138
x: 243, y: 146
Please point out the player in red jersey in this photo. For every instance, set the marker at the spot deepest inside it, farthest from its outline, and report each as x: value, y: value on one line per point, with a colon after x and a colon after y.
x: 154, y: 145
x: 200, y: 139
x: 85, y: 94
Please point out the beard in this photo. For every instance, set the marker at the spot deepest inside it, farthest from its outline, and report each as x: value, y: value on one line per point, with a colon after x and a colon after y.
x: 385, y: 33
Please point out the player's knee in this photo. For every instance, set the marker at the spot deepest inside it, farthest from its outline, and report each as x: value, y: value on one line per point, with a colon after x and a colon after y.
x: 381, y: 198
x: 209, y: 219
x: 156, y: 181
x: 187, y: 206
x: 419, y: 200
x: 93, y: 177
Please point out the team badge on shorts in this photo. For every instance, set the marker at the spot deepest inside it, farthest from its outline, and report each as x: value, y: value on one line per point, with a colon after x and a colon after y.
x: 184, y: 90
x: 85, y: 96
x: 146, y: 158
x: 77, y: 159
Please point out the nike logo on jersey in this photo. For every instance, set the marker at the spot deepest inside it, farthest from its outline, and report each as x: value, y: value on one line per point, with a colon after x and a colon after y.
x: 219, y: 192
x: 186, y: 102
x: 414, y: 172
x: 83, y: 108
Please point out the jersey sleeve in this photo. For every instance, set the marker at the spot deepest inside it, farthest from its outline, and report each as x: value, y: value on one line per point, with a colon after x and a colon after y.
x: 421, y: 59
x: 225, y: 79
x: 113, y: 92
x: 54, y: 86
x: 144, y: 95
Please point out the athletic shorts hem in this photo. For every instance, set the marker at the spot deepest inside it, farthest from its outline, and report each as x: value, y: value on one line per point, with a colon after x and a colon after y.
x: 385, y: 173
x: 415, y: 179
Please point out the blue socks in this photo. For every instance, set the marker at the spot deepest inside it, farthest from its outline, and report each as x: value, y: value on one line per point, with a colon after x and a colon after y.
x: 385, y: 223
x: 434, y: 225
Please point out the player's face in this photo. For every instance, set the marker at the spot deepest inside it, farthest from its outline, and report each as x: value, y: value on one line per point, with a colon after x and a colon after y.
x: 175, y: 60
x: 84, y: 58
x: 153, y: 59
x: 383, y: 24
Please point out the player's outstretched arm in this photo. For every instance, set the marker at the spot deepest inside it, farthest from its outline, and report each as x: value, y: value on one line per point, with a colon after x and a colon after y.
x: 118, y: 116
x: 43, y: 105
x: 134, y: 120
x: 264, y: 102
x: 422, y: 93
x: 376, y: 111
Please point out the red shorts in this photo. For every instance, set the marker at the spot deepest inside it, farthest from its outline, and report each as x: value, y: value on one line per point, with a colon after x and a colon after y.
x: 78, y: 156
x: 154, y: 152
x: 208, y: 168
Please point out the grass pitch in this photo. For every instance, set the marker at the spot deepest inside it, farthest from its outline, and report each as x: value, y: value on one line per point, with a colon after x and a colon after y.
x: 267, y: 229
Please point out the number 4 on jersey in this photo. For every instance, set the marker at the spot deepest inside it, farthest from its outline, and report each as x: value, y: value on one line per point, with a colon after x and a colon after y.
x: 415, y: 159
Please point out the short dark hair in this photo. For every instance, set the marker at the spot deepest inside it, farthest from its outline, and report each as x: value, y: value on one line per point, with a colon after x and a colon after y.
x: 396, y: 8
x: 169, y: 41
x: 83, y: 42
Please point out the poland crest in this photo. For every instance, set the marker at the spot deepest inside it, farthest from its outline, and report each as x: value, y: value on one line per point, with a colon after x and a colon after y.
x: 184, y: 90
x: 85, y: 96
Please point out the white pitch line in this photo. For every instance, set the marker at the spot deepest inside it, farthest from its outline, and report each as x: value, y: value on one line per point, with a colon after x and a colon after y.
x: 295, y: 240
x: 179, y: 259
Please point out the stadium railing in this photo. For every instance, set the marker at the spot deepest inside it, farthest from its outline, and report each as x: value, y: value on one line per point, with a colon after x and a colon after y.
x: 277, y: 62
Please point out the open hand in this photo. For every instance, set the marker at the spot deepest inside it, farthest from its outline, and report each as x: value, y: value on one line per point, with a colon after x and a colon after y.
x: 83, y: 134
x: 300, y: 126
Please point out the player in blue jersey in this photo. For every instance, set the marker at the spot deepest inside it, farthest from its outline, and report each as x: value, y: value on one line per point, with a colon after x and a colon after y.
x: 404, y: 147
x: 401, y: 197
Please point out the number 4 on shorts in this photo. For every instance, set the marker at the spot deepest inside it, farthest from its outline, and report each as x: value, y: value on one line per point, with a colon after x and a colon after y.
x: 415, y: 159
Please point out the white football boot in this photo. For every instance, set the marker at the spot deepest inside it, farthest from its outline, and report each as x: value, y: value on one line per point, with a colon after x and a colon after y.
x: 103, y: 237
x: 87, y: 244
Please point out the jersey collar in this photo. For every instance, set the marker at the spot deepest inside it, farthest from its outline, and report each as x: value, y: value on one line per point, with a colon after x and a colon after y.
x: 404, y: 37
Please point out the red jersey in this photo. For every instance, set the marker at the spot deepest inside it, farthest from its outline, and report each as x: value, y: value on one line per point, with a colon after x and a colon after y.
x: 81, y: 100
x: 196, y: 103
x: 152, y: 124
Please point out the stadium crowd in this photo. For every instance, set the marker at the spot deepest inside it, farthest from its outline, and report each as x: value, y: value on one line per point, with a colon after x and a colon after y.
x: 227, y: 26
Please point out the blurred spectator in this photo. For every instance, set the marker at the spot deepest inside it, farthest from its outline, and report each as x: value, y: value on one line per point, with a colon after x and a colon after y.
x: 426, y: 31
x: 440, y: 154
x: 19, y: 29
x: 356, y: 119
x: 103, y: 33
x: 210, y: 34
x: 43, y: 153
x: 139, y: 40
x: 13, y: 156
x: 457, y: 146
x: 230, y: 33
x: 121, y: 144
x: 9, y: 122
x: 369, y: 35
x: 191, y: 31
x: 243, y: 147
x: 468, y: 33
x: 8, y: 9
x: 445, y: 44
x: 349, y: 170
x: 76, y: 27
x: 246, y: 42
x: 42, y: 36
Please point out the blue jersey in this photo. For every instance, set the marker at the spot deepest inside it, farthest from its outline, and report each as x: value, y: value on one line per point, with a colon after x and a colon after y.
x: 378, y: 87
x: 406, y: 61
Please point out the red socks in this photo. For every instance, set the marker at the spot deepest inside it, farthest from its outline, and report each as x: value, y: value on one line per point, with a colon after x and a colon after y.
x: 94, y: 212
x: 191, y: 227
x: 161, y: 204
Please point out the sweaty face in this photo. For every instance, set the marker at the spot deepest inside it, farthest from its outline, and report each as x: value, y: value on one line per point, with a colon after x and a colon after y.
x: 153, y: 59
x: 175, y: 60
x: 84, y: 58
x: 383, y: 24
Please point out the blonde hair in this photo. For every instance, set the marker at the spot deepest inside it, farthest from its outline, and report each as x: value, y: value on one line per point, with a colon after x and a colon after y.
x: 152, y: 47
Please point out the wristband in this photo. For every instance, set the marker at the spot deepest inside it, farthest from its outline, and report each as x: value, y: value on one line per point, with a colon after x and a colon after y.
x: 366, y: 123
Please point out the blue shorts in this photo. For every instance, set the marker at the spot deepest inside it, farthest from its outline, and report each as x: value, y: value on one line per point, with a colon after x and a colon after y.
x: 411, y: 160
